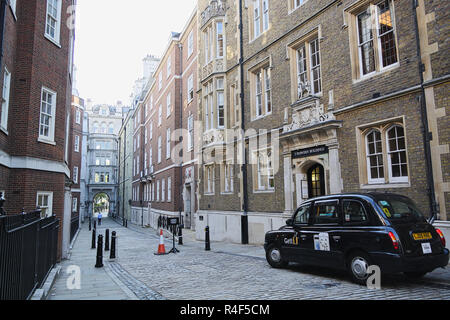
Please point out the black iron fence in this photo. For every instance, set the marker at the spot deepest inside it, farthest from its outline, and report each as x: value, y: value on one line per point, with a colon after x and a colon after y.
x: 28, y: 251
x: 74, y: 225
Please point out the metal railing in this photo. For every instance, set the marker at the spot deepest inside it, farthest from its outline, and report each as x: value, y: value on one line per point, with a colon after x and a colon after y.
x: 28, y: 251
x: 74, y: 226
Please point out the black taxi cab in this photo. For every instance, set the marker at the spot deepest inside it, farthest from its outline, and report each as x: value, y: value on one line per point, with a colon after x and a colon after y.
x: 354, y: 231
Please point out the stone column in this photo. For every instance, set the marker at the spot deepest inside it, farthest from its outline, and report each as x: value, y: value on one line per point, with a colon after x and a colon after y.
x: 335, y: 170
x: 288, y: 190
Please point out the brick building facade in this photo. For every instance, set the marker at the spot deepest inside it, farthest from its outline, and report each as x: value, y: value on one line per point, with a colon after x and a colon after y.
x: 318, y: 97
x: 36, y: 87
x: 163, y: 153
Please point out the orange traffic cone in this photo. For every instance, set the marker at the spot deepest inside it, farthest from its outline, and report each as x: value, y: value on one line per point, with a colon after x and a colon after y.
x: 161, y: 248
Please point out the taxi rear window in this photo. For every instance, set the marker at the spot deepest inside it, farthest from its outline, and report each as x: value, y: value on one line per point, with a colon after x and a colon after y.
x: 400, y: 209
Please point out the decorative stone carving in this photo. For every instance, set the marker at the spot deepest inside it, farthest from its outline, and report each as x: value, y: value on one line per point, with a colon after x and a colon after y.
x: 304, y: 89
x: 307, y: 116
x: 213, y: 136
x: 216, y: 8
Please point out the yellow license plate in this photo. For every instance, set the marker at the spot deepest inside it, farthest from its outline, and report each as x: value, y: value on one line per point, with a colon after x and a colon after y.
x: 422, y: 236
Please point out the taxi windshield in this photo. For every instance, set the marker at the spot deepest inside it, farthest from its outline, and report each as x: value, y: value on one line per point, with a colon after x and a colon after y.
x: 399, y: 209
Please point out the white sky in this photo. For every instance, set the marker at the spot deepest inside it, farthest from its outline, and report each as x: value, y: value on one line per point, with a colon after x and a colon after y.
x: 112, y: 38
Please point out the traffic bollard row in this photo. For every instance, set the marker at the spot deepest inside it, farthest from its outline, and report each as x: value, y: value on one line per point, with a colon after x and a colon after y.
x: 107, y: 240
x: 113, y: 246
x: 99, y: 262
x: 93, y: 239
x: 207, y: 241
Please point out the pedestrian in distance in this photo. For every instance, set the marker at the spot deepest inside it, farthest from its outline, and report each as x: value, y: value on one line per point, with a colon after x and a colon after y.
x: 99, y: 218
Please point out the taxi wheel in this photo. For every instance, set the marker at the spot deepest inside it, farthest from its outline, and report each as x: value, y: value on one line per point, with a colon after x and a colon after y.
x: 358, y: 262
x: 274, y: 258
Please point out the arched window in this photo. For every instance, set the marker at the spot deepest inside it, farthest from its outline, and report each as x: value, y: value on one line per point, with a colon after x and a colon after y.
x: 396, y: 150
x: 111, y: 128
x: 374, y: 153
x: 103, y: 128
x: 95, y: 127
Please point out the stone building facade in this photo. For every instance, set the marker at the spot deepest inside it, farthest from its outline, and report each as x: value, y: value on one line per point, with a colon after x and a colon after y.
x: 36, y: 74
x: 306, y: 98
x: 104, y: 123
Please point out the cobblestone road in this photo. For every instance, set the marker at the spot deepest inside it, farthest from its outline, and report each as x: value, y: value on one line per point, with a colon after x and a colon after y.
x: 238, y: 272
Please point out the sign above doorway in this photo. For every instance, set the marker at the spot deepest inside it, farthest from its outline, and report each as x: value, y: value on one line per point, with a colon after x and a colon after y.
x: 303, y: 153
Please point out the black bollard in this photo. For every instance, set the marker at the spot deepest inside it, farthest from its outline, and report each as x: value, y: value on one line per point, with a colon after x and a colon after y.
x: 99, y: 262
x: 90, y: 227
x: 107, y: 240
x: 207, y: 242
x: 180, y: 234
x: 93, y: 239
x: 113, y: 246
x: 95, y: 224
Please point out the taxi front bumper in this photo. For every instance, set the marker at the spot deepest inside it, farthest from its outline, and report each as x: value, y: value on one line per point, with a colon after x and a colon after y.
x: 394, y: 263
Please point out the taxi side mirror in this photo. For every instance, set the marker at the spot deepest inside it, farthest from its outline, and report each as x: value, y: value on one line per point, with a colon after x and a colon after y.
x: 289, y: 222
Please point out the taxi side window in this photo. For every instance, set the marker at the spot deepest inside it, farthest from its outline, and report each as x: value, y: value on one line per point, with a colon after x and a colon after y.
x: 326, y: 213
x: 354, y: 211
x: 302, y: 215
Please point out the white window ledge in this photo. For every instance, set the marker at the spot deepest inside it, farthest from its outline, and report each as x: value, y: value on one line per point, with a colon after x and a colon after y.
x: 53, y: 143
x: 386, y: 185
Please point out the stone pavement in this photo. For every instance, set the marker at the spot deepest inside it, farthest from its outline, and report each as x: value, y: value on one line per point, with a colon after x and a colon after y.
x: 96, y: 283
x: 227, y: 272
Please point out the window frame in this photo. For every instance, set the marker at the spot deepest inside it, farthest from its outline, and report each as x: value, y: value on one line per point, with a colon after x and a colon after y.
x: 49, y: 208
x: 389, y: 152
x: 51, y: 127
x: 6, y: 91
x: 74, y: 204
x: 336, y: 203
x: 75, y: 176
x: 352, y: 18
x: 57, y: 36
x: 350, y: 223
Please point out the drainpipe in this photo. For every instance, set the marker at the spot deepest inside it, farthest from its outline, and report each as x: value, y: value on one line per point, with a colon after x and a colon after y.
x: 2, y: 27
x: 180, y: 47
x: 427, y: 135
x: 244, y: 217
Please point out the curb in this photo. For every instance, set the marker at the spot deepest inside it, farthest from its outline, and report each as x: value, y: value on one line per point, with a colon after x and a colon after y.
x: 42, y: 294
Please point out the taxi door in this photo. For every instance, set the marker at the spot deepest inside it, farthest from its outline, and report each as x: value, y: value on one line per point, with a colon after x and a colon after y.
x: 323, y: 235
x: 292, y: 243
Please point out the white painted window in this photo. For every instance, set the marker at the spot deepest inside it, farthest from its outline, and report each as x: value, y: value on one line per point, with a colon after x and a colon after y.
x: 5, y: 100
x: 45, y: 201
x: 168, y: 149
x: 265, y: 14
x: 160, y: 81
x: 220, y: 40
x: 12, y: 4
x: 396, y: 151
x: 157, y: 191
x: 376, y: 38
x: 169, y: 189
x: 229, y: 176
x: 75, y: 175
x: 265, y: 171
x: 74, y: 204
x: 163, y: 190
x: 159, y: 149
x: 47, y: 115
x: 169, y: 104
x: 190, y: 140
x: 169, y: 67
x: 190, y: 43
x: 77, y: 144
x: 160, y: 115
x: 209, y: 179
x: 151, y: 130
x: 145, y: 135
x: 53, y: 20
x: 374, y: 152
x: 256, y: 19
x: 78, y: 116
x: 190, y: 88
x: 151, y: 157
